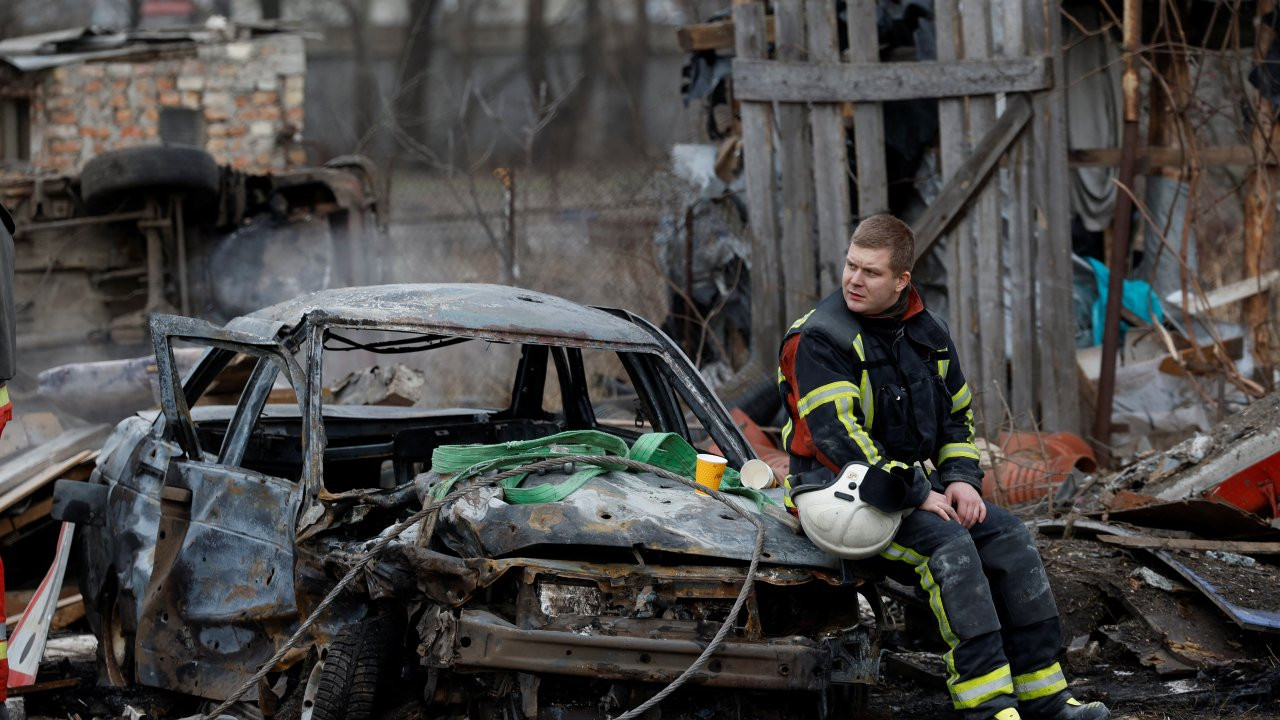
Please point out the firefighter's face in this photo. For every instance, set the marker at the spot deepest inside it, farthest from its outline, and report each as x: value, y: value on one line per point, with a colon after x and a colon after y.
x: 869, y: 283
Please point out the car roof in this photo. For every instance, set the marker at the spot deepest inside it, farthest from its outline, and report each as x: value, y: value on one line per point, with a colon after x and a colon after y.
x: 476, y: 310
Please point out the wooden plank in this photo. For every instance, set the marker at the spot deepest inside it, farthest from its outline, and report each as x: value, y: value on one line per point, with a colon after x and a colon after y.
x: 989, y: 238
x: 1147, y: 542
x: 767, y: 323
x: 71, y: 442
x: 713, y: 35
x: 13, y: 523
x: 960, y: 261
x: 1156, y: 157
x: 868, y: 117
x: 830, y: 160
x: 797, y: 243
x: 1057, y: 341
x: 972, y: 174
x: 16, y: 493
x: 1022, y: 318
x: 793, y: 82
x: 1036, y: 41
x: 1227, y: 294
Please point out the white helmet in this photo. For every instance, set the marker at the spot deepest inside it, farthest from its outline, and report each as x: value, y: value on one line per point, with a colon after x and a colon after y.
x: 837, y: 519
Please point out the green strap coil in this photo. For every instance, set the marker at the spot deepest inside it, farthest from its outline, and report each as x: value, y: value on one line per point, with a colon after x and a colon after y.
x: 664, y: 450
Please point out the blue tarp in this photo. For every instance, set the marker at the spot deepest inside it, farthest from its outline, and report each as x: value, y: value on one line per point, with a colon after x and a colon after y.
x: 1138, y: 297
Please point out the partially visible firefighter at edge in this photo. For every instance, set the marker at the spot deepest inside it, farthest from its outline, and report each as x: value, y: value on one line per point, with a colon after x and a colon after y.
x: 8, y: 328
x: 874, y: 391
x: 8, y: 366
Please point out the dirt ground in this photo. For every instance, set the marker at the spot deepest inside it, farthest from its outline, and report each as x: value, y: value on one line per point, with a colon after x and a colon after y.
x: 1136, y: 637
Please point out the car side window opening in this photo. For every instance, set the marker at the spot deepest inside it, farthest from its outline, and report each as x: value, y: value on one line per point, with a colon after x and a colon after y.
x: 244, y: 411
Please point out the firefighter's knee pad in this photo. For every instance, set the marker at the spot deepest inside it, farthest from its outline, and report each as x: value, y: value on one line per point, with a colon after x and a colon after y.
x: 966, y: 596
x: 1018, y: 576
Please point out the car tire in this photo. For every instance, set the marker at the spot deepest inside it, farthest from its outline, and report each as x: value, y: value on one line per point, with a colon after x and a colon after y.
x: 110, y: 180
x: 357, y: 667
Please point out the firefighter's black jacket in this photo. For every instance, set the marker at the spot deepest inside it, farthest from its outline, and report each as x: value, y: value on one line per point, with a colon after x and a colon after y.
x: 878, y: 390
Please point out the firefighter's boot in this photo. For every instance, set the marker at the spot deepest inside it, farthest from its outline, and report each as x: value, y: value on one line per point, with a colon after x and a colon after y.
x: 1073, y: 709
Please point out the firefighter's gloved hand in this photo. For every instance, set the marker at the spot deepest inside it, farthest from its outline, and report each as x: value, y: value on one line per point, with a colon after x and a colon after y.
x: 900, y: 488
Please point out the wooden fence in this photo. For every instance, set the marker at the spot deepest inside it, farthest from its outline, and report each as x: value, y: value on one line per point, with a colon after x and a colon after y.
x: 1003, y: 211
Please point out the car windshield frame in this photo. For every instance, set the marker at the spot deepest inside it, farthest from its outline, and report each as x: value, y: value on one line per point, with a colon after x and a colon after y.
x: 667, y: 369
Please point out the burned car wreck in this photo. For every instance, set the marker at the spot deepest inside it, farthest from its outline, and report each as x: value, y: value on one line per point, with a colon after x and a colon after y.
x: 212, y: 530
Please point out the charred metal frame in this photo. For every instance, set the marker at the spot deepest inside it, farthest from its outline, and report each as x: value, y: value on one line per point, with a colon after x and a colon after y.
x: 484, y: 641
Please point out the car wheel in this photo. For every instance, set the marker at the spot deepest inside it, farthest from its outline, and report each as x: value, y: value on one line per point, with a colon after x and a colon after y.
x: 110, y: 179
x: 356, y: 668
x: 115, y: 646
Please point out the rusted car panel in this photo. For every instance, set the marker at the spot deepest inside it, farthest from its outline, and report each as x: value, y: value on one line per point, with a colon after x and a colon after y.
x: 226, y: 525
x: 255, y: 240
x: 219, y: 599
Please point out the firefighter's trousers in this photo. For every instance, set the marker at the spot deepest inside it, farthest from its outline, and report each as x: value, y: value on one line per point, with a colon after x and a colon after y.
x: 989, y: 594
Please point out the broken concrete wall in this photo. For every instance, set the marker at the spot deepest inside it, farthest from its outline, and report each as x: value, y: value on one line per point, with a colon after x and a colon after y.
x: 241, y: 101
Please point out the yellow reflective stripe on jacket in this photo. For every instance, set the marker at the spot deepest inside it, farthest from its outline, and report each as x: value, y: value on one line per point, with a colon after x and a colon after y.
x: 825, y: 394
x: 786, y: 494
x: 4, y: 395
x: 944, y: 366
x: 921, y: 565
x: 972, y: 693
x: 844, y: 412
x: 4, y: 650
x: 961, y: 399
x: 864, y: 385
x: 800, y: 321
x: 786, y: 434
x: 954, y: 450
x: 1041, y: 683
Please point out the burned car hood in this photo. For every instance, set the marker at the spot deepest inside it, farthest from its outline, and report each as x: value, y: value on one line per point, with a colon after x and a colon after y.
x: 620, y: 510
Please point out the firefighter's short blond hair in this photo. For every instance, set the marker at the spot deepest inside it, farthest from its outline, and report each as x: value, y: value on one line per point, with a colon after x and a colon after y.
x: 887, y: 231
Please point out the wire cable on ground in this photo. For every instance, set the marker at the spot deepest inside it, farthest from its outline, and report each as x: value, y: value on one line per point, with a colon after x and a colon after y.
x: 559, y: 462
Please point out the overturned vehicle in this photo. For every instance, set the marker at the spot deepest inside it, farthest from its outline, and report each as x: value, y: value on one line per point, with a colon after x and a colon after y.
x: 481, y: 548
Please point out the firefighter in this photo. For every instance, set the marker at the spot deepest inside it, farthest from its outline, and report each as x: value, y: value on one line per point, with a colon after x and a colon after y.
x: 8, y: 336
x: 870, y: 377
x: 8, y: 329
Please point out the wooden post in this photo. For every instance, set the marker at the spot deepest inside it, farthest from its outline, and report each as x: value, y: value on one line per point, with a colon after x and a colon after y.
x: 987, y: 240
x: 767, y: 322
x: 868, y: 119
x: 797, y: 242
x: 1119, y: 262
x: 1260, y: 210
x: 830, y: 161
x: 1022, y: 326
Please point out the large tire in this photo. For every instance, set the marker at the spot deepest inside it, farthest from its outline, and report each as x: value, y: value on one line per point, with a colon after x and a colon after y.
x: 112, y: 179
x: 358, y: 666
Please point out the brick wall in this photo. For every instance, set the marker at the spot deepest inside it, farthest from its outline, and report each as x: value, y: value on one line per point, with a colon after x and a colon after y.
x: 248, y: 93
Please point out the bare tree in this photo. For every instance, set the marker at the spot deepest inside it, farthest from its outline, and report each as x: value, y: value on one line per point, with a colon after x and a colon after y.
x: 368, y: 102
x: 535, y: 52
x: 270, y: 9
x: 411, y: 94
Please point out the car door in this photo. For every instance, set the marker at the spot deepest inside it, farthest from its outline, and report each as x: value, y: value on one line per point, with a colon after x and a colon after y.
x: 221, y: 591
